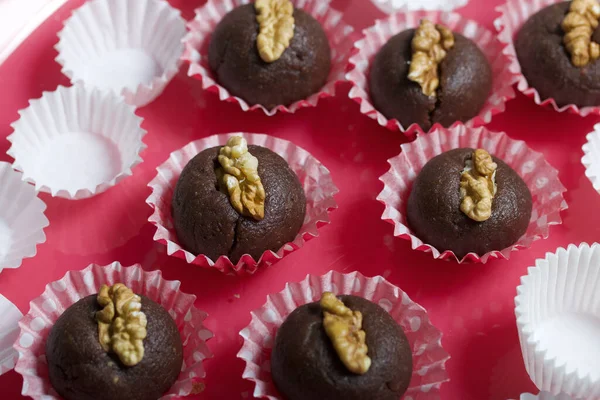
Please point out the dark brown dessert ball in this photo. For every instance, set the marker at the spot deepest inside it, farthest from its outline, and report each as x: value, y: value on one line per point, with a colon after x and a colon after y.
x: 80, y: 369
x: 546, y: 63
x: 206, y: 222
x: 465, y: 84
x: 434, y: 212
x: 305, y: 366
x: 301, y: 71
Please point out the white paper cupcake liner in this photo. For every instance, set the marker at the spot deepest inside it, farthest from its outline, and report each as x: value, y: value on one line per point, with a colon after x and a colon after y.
x: 22, y: 219
x: 591, y: 157
x: 207, y: 18
x: 76, y: 142
x: 132, y: 47
x: 375, y: 37
x: 314, y: 177
x: 9, y: 330
x: 544, y: 396
x: 541, y: 179
x: 429, y: 357
x: 558, y: 319
x: 61, y: 294
x: 514, y: 13
x: 390, y: 6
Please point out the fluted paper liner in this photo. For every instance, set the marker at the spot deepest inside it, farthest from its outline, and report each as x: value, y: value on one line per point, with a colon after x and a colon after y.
x: 314, y: 178
x: 429, y: 357
x: 132, y: 47
x: 558, y: 319
x: 76, y: 142
x: 544, y: 396
x: 207, y: 18
x: 390, y: 6
x: 75, y: 285
x: 541, y: 179
x: 9, y: 329
x: 22, y: 220
x: 514, y: 13
x: 375, y: 37
x: 591, y: 157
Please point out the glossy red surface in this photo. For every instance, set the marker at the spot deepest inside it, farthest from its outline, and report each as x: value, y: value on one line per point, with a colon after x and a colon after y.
x: 472, y: 304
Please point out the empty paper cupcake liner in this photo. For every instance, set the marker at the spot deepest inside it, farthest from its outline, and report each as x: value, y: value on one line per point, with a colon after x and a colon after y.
x: 375, y: 37
x: 314, y: 177
x: 208, y: 16
x: 591, y: 157
x: 75, y: 285
x: 541, y: 179
x: 9, y: 330
x: 558, y: 319
x: 76, y: 142
x: 22, y: 219
x: 544, y: 396
x: 132, y: 47
x: 390, y: 6
x: 514, y: 13
x: 429, y: 357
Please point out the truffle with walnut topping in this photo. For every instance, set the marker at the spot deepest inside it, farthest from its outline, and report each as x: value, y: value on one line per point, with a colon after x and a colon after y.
x: 237, y: 199
x: 341, y: 348
x: 430, y: 75
x: 558, y: 50
x: 468, y: 201
x: 114, y: 345
x: 270, y: 53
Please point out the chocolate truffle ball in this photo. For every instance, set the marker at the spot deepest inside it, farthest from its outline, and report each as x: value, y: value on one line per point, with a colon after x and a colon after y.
x: 547, y: 65
x: 305, y: 365
x: 435, y: 216
x: 465, y: 84
x: 206, y: 222
x: 80, y: 369
x: 301, y: 70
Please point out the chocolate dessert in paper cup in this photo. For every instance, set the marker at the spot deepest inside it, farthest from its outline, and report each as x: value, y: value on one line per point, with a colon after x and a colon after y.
x: 130, y: 47
x: 404, y: 354
x: 540, y: 51
x: 557, y: 319
x: 76, y: 142
x: 141, y: 336
x: 239, y: 201
x: 469, y: 194
x: 9, y: 330
x: 591, y: 157
x: 22, y: 219
x: 289, y: 60
x: 461, y: 77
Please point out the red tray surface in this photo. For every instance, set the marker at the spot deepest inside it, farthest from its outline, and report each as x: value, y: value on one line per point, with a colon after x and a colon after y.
x: 472, y: 304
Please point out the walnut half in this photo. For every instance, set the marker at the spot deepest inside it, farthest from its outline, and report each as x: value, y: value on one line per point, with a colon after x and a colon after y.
x: 429, y: 47
x: 276, y: 20
x: 344, y: 328
x: 121, y: 323
x: 239, y: 174
x: 478, y: 186
x: 579, y: 25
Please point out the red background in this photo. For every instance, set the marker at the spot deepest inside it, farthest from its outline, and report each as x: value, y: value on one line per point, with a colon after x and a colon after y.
x: 472, y: 304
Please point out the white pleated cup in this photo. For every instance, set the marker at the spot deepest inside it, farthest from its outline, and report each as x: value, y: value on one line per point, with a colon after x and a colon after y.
x: 9, y: 331
x: 76, y: 142
x: 558, y: 319
x: 544, y: 396
x: 132, y: 47
x: 391, y: 6
x: 591, y: 157
x: 22, y: 220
